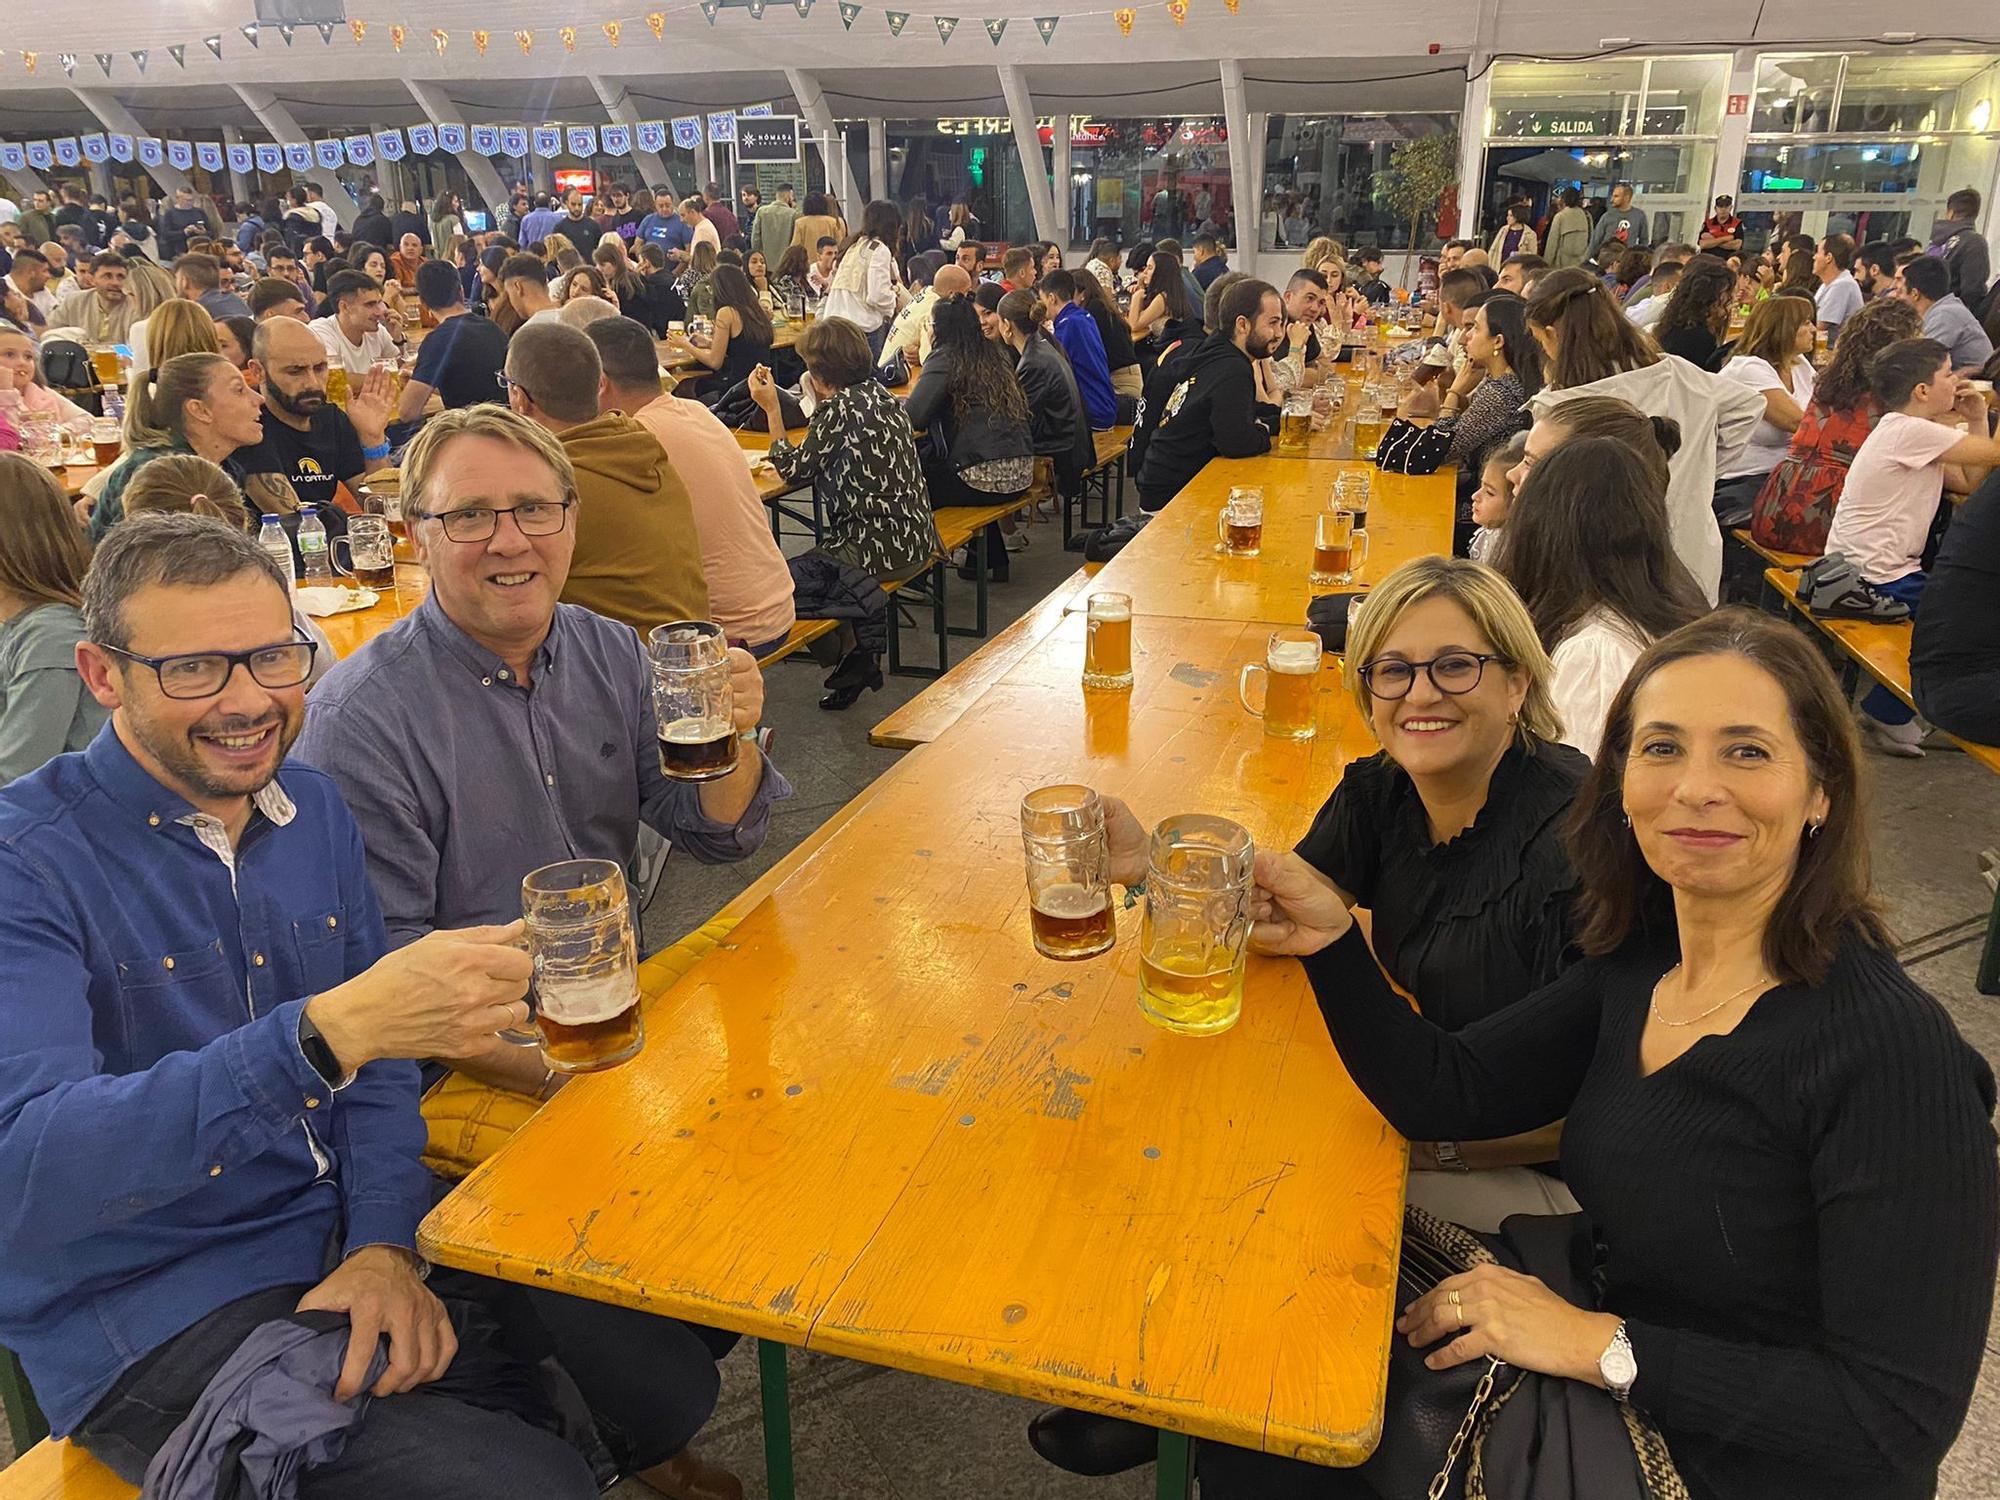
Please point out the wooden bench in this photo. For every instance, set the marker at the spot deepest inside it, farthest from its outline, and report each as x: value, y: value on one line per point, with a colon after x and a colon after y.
x: 1773, y: 602
x: 802, y: 634
x: 57, y: 1470
x: 1881, y: 650
x: 1107, y: 471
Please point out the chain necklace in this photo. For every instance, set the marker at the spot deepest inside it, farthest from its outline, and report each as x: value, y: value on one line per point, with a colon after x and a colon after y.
x: 1703, y: 1016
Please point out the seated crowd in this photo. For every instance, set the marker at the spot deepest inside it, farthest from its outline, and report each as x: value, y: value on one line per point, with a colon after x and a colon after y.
x: 1614, y: 844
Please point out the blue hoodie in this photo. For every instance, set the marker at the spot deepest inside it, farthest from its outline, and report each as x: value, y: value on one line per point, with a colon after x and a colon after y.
x: 1077, y: 332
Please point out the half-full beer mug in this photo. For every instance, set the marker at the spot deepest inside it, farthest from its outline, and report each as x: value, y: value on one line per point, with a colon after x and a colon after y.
x: 1069, y: 887
x: 371, y: 552
x: 578, y: 921
x: 1239, y: 528
x: 1197, y: 924
x: 1295, y: 422
x: 693, y: 700
x: 1290, y: 672
x: 1336, y: 539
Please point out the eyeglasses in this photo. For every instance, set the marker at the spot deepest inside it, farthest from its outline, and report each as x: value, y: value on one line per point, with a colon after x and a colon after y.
x: 477, y: 523
x: 1455, y: 672
x: 203, y: 674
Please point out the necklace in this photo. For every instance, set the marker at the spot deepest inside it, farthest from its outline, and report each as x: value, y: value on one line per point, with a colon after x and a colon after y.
x: 1704, y: 1015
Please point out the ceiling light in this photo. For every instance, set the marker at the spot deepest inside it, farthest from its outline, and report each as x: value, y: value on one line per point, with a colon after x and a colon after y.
x: 1982, y: 113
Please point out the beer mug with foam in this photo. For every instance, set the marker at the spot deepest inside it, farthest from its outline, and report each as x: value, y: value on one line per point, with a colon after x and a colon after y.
x: 693, y: 700
x: 1107, y: 649
x: 1290, y: 674
x: 1239, y: 528
x: 1197, y: 924
x: 1069, y: 883
x: 578, y: 920
x: 1295, y: 421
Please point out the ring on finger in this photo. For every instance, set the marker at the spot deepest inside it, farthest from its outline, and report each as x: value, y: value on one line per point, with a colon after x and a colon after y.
x: 1454, y: 1298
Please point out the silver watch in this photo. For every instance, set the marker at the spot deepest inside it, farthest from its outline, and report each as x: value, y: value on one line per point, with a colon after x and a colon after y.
x: 1618, y: 1365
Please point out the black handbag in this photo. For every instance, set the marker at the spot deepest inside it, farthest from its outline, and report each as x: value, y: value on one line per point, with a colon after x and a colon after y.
x: 1487, y: 1431
x: 1407, y: 448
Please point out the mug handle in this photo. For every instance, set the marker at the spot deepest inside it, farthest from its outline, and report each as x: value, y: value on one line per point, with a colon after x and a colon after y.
x: 1262, y: 674
x: 1222, y: 526
x: 333, y: 556
x: 524, y: 1038
x: 1359, y: 538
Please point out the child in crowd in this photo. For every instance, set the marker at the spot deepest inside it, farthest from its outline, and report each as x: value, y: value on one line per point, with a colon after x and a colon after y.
x: 1893, y: 489
x: 1495, y: 497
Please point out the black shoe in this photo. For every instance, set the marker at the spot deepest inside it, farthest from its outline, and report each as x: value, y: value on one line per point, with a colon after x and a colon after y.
x: 858, y: 670
x: 1083, y: 1442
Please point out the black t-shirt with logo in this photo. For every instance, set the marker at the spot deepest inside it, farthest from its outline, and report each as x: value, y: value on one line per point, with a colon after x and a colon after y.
x: 315, y: 461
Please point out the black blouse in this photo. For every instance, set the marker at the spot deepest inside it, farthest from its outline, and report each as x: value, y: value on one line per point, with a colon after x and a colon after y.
x: 1471, y: 925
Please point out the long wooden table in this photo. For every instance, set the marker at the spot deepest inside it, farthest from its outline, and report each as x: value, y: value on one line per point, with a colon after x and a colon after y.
x: 877, y: 1123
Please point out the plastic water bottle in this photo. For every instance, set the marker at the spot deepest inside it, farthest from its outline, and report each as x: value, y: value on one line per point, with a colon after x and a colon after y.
x: 315, y: 566
x: 271, y: 537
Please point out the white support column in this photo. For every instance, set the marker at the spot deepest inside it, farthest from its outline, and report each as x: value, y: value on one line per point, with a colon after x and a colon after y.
x: 878, y: 158
x: 117, y: 117
x: 1060, y: 167
x: 1028, y: 146
x: 437, y: 105
x: 617, y: 102
x: 239, y: 182
x: 1236, y: 120
x: 100, y: 179
x: 1247, y: 250
x: 819, y: 120
x: 277, y: 119
x: 1733, y: 143
x: 1991, y: 228
x: 1472, y: 149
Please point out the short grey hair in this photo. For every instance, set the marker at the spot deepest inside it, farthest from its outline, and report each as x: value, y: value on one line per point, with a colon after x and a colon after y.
x: 558, y: 368
x: 169, y: 550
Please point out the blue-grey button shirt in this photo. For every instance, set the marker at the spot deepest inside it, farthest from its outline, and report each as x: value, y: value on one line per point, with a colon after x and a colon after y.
x: 463, y: 780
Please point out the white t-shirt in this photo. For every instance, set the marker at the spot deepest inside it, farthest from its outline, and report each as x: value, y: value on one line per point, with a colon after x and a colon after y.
x: 1838, y: 300
x: 329, y: 220
x: 1891, y: 496
x: 1591, y: 664
x: 356, y: 360
x: 1768, y: 444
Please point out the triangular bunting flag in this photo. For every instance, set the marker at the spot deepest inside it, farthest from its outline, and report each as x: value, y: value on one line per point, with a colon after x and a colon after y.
x: 803, y: 7
x: 1232, y: 4
x: 898, y: 19
x: 946, y: 25
x: 848, y: 11
x: 708, y: 8
x: 756, y: 9
x: 104, y: 62
x: 139, y: 59
x: 250, y: 33
x: 613, y: 30
x: 214, y: 45
x: 656, y: 22
x: 179, y: 53
x: 360, y: 30
x: 479, y: 41
x: 1125, y: 16
x: 440, y: 39
x: 568, y: 35
x: 1046, y: 25
x: 526, y: 41
x: 325, y: 30
x: 995, y: 29
x: 1178, y: 10
x: 286, y: 31
x: 397, y: 34
x: 29, y: 59
x: 68, y: 61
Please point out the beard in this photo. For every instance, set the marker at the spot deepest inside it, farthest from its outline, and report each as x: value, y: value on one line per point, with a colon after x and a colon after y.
x: 178, y: 751
x: 295, y: 403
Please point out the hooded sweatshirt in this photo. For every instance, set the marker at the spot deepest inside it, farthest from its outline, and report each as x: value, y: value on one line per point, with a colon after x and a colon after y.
x: 1210, y: 413
x: 1964, y: 252
x: 638, y: 555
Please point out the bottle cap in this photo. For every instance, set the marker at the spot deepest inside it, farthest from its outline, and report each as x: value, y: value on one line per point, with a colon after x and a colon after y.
x: 268, y: 516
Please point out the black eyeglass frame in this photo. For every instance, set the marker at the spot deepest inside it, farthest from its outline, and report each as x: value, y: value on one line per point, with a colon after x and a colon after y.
x: 231, y: 661
x: 1429, y: 669
x: 443, y: 518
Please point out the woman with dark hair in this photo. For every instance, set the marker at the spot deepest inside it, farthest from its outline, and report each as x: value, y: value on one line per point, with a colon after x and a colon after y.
x: 789, y: 280
x: 1794, y: 509
x: 1766, y: 1121
x: 1517, y: 235
x: 233, y: 338
x: 579, y: 282
x: 44, y: 708
x: 1590, y: 348
x: 742, y: 337
x: 445, y: 220
x: 1061, y: 423
x: 865, y: 285
x: 1503, y: 368
x: 818, y: 222
x: 1162, y: 311
x: 1120, y: 354
x: 614, y: 268
x: 192, y: 403
x: 1586, y: 548
x: 1631, y: 268
x: 978, y: 448
x: 1773, y: 359
x: 1569, y: 231
x: 695, y: 285
x: 1697, y: 316
x: 1136, y: 261
x: 919, y: 229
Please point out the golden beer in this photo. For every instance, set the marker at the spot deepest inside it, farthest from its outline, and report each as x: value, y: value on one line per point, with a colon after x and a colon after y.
x: 106, y: 365
x: 591, y: 1046
x: 1179, y: 991
x: 105, y: 451
x: 1333, y: 564
x: 336, y: 386
x: 1239, y: 529
x: 1368, y: 434
x: 1334, y: 537
x: 1294, y: 430
x: 1107, y: 650
x: 578, y: 926
x: 1071, y: 921
x: 1244, y: 539
x: 1289, y: 704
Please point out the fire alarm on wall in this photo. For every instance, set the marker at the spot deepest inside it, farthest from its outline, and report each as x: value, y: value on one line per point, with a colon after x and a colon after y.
x: 1434, y: 49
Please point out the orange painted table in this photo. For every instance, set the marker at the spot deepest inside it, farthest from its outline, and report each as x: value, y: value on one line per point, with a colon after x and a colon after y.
x: 877, y: 1123
x: 59, y: 1470
x: 350, y: 632
x: 1173, y: 568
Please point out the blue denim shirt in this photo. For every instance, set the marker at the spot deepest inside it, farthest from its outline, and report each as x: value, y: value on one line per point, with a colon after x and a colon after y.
x: 165, y: 1147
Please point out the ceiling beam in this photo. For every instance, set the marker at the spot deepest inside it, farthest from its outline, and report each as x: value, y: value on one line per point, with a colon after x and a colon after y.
x: 277, y: 119
x: 617, y: 102
x: 439, y: 108
x: 1028, y: 146
x: 117, y: 118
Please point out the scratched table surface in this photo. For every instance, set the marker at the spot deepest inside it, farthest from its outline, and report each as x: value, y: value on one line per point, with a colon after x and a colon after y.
x: 1173, y: 567
x: 877, y: 1123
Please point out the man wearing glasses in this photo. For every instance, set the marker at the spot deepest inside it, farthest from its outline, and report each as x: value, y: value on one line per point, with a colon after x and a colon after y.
x: 210, y: 1116
x: 494, y: 731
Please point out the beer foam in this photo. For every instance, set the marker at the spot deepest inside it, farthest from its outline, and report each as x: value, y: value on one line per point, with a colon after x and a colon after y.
x: 581, y: 1002
x: 1069, y: 902
x: 695, y: 731
x: 1294, y: 657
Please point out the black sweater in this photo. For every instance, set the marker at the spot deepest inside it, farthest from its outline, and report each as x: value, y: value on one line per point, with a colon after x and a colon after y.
x: 1797, y: 1220
x: 985, y: 435
x: 1210, y: 413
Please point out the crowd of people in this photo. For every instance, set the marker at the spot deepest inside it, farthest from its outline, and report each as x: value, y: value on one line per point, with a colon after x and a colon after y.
x: 1615, y: 842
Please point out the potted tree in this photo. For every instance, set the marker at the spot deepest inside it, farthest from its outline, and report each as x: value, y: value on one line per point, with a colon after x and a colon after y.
x: 1420, y: 172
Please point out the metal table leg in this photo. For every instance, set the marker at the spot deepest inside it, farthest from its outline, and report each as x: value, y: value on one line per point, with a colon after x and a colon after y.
x: 777, y: 1419
x: 1174, y: 1473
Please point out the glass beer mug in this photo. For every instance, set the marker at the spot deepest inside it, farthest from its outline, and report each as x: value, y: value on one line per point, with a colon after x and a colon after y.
x: 1336, y: 539
x: 1107, y: 649
x: 578, y: 919
x: 693, y: 701
x: 1295, y: 422
x: 1351, y: 492
x: 1290, y: 671
x: 1239, y: 528
x: 1069, y: 884
x: 1197, y: 924
x: 371, y: 552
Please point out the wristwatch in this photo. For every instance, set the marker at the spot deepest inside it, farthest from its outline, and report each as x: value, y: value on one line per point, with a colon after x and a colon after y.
x: 318, y: 1053
x: 1618, y: 1366
x: 1448, y: 1157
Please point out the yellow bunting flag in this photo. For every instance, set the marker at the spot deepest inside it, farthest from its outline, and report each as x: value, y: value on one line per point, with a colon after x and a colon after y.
x: 360, y: 30
x: 657, y: 20
x: 1232, y: 4
x: 568, y: 34
x: 396, y: 35
x: 1178, y: 10
x: 440, y: 38
x: 29, y: 59
x: 479, y: 41
x: 612, y: 31
x: 1125, y: 16
x: 527, y: 41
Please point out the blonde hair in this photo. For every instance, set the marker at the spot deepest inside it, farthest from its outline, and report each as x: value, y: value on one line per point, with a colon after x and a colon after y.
x: 1322, y: 248
x: 176, y: 327
x: 1494, y: 608
x: 554, y: 244
x: 421, y: 458
x: 186, y: 482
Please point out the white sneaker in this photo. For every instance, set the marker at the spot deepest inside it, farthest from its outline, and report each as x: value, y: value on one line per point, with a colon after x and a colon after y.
x: 961, y: 558
x: 1018, y: 542
x: 1902, y: 740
